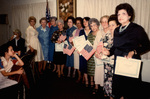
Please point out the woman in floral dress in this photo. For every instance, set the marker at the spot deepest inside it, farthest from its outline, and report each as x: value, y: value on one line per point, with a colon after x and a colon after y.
x: 109, y: 61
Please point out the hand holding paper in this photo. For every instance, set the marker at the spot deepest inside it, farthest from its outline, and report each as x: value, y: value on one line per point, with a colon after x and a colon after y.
x: 127, y: 67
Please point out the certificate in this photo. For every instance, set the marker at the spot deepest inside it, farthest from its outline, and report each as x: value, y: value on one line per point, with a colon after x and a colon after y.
x: 79, y: 42
x: 127, y: 67
x: 59, y: 47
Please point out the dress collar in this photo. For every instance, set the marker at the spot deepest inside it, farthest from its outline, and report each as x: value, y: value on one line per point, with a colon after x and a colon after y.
x: 43, y: 29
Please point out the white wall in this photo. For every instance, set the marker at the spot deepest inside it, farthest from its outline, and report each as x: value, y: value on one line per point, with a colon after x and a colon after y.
x: 6, y: 8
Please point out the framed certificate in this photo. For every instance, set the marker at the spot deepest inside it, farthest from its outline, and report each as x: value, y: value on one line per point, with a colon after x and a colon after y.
x: 127, y: 67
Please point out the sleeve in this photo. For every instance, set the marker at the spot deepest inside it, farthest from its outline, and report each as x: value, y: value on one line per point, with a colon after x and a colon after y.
x: 1, y: 66
x: 112, y: 49
x: 74, y: 32
x: 27, y: 37
x: 22, y: 46
x: 144, y: 42
x: 97, y: 39
x: 15, y: 61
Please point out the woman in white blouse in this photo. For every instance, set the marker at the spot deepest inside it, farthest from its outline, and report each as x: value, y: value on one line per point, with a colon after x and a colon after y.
x: 32, y: 41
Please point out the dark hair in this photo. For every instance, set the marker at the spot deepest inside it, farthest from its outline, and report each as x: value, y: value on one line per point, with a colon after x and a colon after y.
x: 4, y: 48
x: 72, y: 18
x: 44, y: 18
x: 31, y: 18
x: 86, y: 18
x: 53, y: 17
x: 126, y: 7
x: 80, y: 19
x: 113, y: 17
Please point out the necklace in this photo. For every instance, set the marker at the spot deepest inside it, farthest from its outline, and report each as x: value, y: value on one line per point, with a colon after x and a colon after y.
x: 123, y: 28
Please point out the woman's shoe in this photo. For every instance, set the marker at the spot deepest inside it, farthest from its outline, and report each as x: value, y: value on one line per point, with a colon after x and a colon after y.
x: 95, y: 91
x: 62, y: 75
x: 78, y: 80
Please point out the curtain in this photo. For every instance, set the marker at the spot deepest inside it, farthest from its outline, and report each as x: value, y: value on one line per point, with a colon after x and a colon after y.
x: 98, y: 8
x: 21, y: 13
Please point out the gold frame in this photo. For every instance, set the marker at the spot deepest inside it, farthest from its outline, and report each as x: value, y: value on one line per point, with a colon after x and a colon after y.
x: 64, y: 14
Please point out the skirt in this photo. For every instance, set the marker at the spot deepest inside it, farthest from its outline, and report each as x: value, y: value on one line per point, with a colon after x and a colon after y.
x: 59, y: 58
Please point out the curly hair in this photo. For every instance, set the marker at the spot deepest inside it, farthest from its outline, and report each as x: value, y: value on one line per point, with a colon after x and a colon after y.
x: 79, y: 19
x: 31, y: 18
x: 113, y: 17
x: 128, y: 8
x: 95, y: 21
x: 72, y: 18
x: 44, y: 18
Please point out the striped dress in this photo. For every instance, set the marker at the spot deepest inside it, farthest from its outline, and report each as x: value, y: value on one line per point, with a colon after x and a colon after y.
x: 91, y: 62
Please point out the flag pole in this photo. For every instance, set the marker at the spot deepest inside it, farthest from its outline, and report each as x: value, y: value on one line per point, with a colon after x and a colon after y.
x: 48, y: 14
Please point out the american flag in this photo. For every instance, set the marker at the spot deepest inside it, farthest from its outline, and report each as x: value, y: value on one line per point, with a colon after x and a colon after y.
x: 65, y: 49
x: 48, y: 14
x: 70, y: 50
x: 87, y: 52
x: 99, y: 48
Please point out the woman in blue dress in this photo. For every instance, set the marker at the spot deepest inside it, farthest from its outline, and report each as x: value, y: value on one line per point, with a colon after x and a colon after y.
x: 83, y: 62
x: 44, y: 39
x: 53, y: 28
x: 70, y: 59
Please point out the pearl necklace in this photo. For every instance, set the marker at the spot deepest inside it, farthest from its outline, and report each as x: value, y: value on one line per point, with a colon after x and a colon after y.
x: 122, y: 29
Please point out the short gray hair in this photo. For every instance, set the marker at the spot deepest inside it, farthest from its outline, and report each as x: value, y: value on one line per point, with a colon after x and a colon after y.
x: 61, y: 21
x: 94, y: 20
x: 18, y: 32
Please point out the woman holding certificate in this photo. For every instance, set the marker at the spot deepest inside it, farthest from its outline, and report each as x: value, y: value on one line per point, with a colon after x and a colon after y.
x: 79, y: 24
x: 130, y: 41
x: 59, y: 57
x: 83, y: 63
x: 94, y: 25
x: 69, y: 33
x: 109, y: 61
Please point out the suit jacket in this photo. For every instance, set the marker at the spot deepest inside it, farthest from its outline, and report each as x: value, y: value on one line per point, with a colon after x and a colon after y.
x: 20, y: 45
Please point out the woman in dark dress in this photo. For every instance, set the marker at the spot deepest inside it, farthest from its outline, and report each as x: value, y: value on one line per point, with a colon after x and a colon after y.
x: 70, y: 59
x: 53, y: 28
x: 83, y: 62
x: 59, y: 57
x: 130, y: 41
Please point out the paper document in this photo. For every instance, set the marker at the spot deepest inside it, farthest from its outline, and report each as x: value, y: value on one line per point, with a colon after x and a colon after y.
x: 127, y: 67
x: 79, y: 42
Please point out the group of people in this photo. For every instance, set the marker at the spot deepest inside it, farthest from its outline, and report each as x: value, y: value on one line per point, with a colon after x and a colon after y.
x: 119, y: 36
